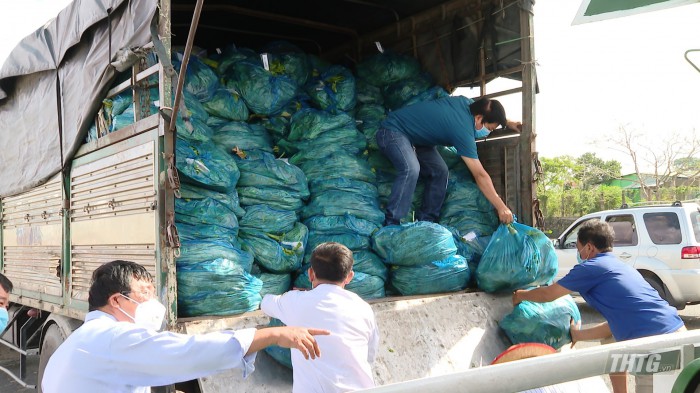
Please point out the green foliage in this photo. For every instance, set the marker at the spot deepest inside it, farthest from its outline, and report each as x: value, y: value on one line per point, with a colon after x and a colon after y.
x: 572, y: 186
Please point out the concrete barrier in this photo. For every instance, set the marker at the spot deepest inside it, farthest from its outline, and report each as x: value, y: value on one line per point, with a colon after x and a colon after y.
x: 420, y: 337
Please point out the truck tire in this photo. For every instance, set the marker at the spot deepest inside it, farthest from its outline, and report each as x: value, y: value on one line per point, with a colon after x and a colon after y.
x: 53, y: 338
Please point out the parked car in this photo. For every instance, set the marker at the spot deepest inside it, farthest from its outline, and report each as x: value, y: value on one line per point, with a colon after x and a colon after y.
x: 661, y: 241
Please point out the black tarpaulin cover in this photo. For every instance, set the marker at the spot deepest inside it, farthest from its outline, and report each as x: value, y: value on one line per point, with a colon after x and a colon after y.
x: 65, y: 61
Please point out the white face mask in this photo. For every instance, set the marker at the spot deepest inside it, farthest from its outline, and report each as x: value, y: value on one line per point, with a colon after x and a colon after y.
x: 149, y: 314
x: 4, y: 318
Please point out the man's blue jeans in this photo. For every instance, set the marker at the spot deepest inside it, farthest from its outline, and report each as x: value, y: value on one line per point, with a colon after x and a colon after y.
x: 411, y: 163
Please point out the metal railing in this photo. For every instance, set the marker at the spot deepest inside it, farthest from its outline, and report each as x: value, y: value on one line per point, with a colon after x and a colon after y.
x: 549, y: 369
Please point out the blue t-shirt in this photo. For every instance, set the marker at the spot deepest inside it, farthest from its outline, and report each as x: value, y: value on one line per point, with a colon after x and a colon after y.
x: 445, y: 122
x: 631, y: 306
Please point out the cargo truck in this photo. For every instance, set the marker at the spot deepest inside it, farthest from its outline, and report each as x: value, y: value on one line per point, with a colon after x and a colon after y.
x: 68, y: 206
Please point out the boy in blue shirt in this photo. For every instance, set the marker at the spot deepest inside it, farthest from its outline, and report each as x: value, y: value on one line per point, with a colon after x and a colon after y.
x: 408, y: 138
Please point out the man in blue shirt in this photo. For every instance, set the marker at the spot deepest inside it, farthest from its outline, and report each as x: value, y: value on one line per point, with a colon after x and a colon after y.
x: 631, y: 307
x: 408, y: 138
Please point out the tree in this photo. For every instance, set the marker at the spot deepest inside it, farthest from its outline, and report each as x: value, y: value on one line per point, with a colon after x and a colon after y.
x: 572, y: 186
x: 663, y: 158
x: 591, y: 170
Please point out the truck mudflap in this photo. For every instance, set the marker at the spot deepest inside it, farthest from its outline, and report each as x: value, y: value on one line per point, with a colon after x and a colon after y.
x: 420, y: 337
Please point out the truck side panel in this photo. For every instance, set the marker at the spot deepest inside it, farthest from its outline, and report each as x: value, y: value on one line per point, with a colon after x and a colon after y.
x: 32, y: 235
x: 113, y: 210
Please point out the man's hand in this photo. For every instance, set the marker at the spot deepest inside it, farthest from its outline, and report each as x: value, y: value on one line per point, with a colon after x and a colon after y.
x: 514, y: 125
x: 301, y: 339
x: 517, y: 299
x: 505, y: 215
x: 575, y: 328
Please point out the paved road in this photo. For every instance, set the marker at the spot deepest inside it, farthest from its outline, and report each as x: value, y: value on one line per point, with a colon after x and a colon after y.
x: 9, y: 360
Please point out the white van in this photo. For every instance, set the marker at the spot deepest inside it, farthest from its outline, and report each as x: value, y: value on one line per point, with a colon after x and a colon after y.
x: 661, y: 241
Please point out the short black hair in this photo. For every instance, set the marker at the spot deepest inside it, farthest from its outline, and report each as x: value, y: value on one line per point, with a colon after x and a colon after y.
x: 331, y: 261
x: 114, y: 277
x: 597, y: 232
x: 491, y: 110
x: 5, y: 283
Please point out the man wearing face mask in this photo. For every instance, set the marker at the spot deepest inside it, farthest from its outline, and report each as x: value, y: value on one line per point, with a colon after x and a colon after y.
x: 119, y: 348
x: 5, y: 289
x: 408, y: 138
x: 631, y: 307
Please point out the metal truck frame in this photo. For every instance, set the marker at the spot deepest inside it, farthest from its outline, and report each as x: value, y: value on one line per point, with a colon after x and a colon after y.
x: 114, y: 197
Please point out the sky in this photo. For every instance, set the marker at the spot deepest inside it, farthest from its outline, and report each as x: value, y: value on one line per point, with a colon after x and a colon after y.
x: 593, y: 78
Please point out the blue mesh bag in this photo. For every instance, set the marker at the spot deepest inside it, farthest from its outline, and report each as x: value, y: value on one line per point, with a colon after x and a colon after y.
x: 309, y: 123
x: 289, y: 60
x: 333, y: 90
x: 433, y: 93
x: 413, y: 244
x: 343, y: 141
x: 386, y: 68
x: 516, y: 257
x: 205, y: 165
x: 546, y: 323
x: 343, y: 184
x: 201, y: 251
x: 229, y: 200
x: 448, y: 275
x: 213, y: 233
x: 193, y: 129
x: 200, y: 79
x: 261, y: 169
x: 366, y: 286
x: 274, y: 197
x: 263, y: 92
x: 363, y: 285
x: 274, y: 284
x: 227, y: 104
x: 277, y: 253
x: 244, y: 136
x: 397, y: 94
x: 198, y: 207
x: 352, y: 241
x: 265, y: 218
x: 347, y: 223
x: 368, y: 93
x: 339, y: 165
x: 369, y: 263
x: 209, y: 289
x: 340, y: 203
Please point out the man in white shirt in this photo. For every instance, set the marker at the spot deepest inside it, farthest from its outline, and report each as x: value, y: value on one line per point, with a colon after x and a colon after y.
x: 118, y: 348
x: 350, y: 349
